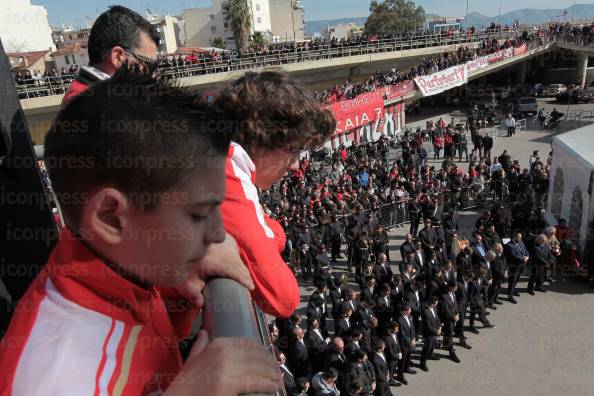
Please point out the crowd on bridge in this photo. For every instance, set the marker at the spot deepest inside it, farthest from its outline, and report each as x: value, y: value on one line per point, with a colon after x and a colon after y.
x: 212, y: 60
x: 429, y: 65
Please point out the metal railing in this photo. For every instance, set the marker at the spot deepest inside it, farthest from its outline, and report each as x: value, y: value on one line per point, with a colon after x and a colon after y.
x: 230, y: 312
x: 59, y: 84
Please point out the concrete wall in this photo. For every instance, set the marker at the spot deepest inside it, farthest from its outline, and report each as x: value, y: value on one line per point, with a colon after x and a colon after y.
x: 24, y: 27
x: 564, y: 75
x: 287, y: 21
x: 199, y: 28
x: 261, y: 21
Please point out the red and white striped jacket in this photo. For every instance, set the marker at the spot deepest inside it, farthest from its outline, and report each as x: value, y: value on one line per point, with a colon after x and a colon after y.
x: 260, y: 239
x: 81, y: 329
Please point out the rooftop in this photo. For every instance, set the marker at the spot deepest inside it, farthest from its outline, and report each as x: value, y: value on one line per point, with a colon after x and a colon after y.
x: 25, y: 59
x: 579, y: 141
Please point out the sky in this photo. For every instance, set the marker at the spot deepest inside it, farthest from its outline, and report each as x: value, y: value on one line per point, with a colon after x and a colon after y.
x: 75, y: 12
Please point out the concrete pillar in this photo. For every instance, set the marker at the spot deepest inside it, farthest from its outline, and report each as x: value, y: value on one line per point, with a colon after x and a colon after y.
x: 521, y: 73
x: 582, y: 69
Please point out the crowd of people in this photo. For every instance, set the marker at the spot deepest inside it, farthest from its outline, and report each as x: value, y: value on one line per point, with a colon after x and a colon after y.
x: 430, y: 65
x: 384, y: 307
x: 177, y: 64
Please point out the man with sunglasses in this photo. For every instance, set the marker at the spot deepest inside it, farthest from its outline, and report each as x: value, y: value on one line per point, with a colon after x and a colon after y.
x: 119, y: 37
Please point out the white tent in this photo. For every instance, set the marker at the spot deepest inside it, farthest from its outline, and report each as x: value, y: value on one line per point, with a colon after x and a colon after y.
x: 572, y: 178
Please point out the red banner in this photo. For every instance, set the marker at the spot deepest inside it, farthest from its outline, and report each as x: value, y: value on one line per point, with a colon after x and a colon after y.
x: 362, y: 110
x: 520, y: 50
x: 399, y: 90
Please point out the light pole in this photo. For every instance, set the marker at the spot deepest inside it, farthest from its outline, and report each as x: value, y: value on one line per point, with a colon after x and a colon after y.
x: 573, y: 12
x: 499, y: 19
x: 466, y: 19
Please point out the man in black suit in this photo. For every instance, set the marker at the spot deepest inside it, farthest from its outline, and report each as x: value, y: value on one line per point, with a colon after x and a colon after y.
x: 449, y: 273
x: 407, y: 246
x: 431, y: 330
x: 317, y: 345
x: 368, y: 293
x: 354, y: 343
x: 288, y: 376
x: 337, y: 296
x: 498, y: 274
x: 490, y: 237
x: 407, y: 341
x: 382, y: 370
x: 449, y: 316
x: 343, y: 327
x: 462, y: 302
x: 517, y: 258
x: 336, y: 359
x: 478, y: 251
x: 393, y: 351
x: 541, y: 259
x: 364, y: 313
x: 286, y: 336
x: 441, y: 253
x: 415, y: 298
x: 361, y: 368
x: 383, y: 308
x: 298, y: 355
x: 318, y: 305
x: 397, y: 295
x: 420, y: 260
x: 408, y: 275
x: 428, y: 238
x: 477, y: 292
x: 382, y: 271
x: 464, y: 261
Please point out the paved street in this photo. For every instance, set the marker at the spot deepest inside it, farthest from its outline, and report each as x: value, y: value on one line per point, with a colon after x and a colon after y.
x: 541, y: 346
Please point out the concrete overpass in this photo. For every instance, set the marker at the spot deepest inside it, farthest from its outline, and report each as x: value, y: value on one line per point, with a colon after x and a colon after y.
x: 317, y: 74
x: 583, y: 53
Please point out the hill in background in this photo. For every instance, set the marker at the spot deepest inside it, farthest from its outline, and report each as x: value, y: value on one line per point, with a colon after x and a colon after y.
x: 528, y: 15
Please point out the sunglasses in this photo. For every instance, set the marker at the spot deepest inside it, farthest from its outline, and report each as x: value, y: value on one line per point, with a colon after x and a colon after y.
x: 150, y: 64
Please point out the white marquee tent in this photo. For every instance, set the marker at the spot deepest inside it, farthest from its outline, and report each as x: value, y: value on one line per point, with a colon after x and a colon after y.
x: 572, y: 178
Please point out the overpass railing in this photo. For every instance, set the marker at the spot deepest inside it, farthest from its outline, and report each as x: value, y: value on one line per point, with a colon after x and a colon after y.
x: 58, y: 84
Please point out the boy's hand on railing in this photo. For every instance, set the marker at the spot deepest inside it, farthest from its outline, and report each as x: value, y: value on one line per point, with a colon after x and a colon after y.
x: 226, y: 366
x: 221, y: 260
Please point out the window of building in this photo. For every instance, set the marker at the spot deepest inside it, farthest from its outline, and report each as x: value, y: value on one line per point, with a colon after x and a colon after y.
x: 257, y: 7
x: 211, y: 17
x: 259, y: 20
x: 557, y: 198
x: 66, y: 59
x: 575, y: 216
x: 213, y: 29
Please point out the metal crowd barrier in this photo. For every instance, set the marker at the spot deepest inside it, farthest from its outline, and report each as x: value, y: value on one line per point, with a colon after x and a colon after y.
x: 396, y: 214
x: 59, y: 84
x: 229, y: 312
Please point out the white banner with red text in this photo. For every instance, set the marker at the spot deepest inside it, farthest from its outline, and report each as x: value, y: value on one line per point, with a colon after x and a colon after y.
x: 442, y: 81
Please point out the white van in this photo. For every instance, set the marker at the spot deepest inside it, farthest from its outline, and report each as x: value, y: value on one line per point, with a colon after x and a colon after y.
x: 527, y: 105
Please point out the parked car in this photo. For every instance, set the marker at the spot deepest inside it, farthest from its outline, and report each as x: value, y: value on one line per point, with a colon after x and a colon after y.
x: 554, y: 89
x: 575, y: 96
x: 526, y: 105
x: 589, y: 90
x: 539, y: 89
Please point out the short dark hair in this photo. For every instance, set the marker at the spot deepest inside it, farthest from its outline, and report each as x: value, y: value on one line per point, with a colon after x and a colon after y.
x: 274, y: 112
x: 117, y: 26
x: 135, y: 133
x: 301, y: 383
x: 330, y: 374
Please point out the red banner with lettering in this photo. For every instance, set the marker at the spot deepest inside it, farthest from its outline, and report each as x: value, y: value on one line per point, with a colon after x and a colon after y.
x: 399, y: 90
x: 520, y: 50
x: 361, y: 110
